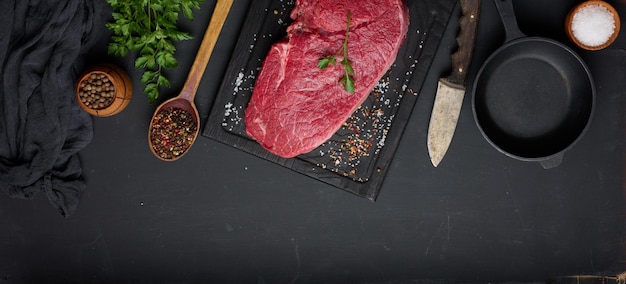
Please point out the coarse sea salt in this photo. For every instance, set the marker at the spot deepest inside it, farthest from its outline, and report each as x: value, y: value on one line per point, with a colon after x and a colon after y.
x: 593, y: 25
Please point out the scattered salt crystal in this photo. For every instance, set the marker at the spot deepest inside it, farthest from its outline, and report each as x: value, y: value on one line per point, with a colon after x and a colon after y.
x: 238, y: 81
x: 381, y: 86
x: 593, y: 25
x: 381, y: 142
x: 228, y: 109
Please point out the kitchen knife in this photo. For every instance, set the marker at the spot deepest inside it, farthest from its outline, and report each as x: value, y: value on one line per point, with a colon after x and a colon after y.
x: 451, y: 89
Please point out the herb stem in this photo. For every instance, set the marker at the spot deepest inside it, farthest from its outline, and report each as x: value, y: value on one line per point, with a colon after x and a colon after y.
x: 149, y: 14
x: 345, y: 40
x: 346, y: 80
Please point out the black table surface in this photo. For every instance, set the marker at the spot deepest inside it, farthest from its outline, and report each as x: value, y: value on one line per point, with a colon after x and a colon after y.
x: 219, y: 215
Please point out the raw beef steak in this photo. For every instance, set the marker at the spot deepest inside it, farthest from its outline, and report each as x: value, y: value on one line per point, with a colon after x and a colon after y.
x: 295, y: 105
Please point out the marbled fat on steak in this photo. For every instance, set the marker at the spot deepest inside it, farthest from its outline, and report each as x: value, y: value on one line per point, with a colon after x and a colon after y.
x: 296, y: 106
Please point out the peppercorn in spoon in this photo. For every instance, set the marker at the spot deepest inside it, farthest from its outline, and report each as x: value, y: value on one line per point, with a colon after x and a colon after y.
x: 175, y: 123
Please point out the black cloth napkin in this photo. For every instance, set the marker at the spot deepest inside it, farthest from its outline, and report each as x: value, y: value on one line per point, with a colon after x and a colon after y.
x: 42, y: 128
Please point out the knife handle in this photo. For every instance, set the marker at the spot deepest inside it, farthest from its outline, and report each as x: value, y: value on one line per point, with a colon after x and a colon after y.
x: 462, y: 57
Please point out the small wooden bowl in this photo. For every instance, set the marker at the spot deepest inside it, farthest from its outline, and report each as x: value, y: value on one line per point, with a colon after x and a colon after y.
x: 570, y: 17
x: 118, y: 78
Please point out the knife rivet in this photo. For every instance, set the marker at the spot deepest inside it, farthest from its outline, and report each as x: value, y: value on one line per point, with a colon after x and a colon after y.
x: 460, y: 70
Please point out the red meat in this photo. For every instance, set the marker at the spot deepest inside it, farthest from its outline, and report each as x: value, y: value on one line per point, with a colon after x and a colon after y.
x: 296, y: 106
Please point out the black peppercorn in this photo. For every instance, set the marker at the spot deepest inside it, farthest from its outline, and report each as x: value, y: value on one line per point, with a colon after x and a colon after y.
x: 96, y: 92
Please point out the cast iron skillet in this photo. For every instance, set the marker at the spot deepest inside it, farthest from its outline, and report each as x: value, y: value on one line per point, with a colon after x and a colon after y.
x: 533, y: 97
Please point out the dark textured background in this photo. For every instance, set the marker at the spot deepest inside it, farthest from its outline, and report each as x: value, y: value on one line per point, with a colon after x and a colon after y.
x: 220, y: 215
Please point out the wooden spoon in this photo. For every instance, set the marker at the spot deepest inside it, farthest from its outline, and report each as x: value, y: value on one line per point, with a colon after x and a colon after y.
x: 185, y: 100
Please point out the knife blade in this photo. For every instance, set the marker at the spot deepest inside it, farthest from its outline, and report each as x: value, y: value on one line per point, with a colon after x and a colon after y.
x: 451, y: 89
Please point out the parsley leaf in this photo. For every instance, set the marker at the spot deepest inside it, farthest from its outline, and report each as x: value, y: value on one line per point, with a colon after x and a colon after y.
x: 324, y: 61
x: 149, y: 27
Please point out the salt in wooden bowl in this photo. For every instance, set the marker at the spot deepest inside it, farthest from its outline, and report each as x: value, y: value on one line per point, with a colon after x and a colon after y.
x: 592, y: 25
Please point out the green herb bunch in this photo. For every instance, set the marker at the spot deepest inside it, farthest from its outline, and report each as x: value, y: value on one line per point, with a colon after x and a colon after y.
x: 149, y: 27
x: 347, y: 80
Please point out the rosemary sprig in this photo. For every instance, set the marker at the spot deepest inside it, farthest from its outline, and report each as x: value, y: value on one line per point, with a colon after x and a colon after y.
x: 347, y: 80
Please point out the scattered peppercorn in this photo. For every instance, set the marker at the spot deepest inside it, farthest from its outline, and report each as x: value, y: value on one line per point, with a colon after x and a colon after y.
x: 97, y: 91
x: 173, y: 132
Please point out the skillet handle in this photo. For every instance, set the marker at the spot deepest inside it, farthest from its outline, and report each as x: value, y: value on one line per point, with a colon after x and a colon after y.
x: 507, y: 14
x: 552, y: 161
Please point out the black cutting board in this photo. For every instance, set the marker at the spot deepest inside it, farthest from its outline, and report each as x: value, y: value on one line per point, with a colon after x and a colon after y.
x: 358, y: 156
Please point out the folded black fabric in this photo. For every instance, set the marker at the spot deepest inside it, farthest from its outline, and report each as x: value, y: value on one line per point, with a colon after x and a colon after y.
x: 42, y: 128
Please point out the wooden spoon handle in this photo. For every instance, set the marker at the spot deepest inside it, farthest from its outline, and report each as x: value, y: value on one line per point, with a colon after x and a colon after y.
x: 222, y: 7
